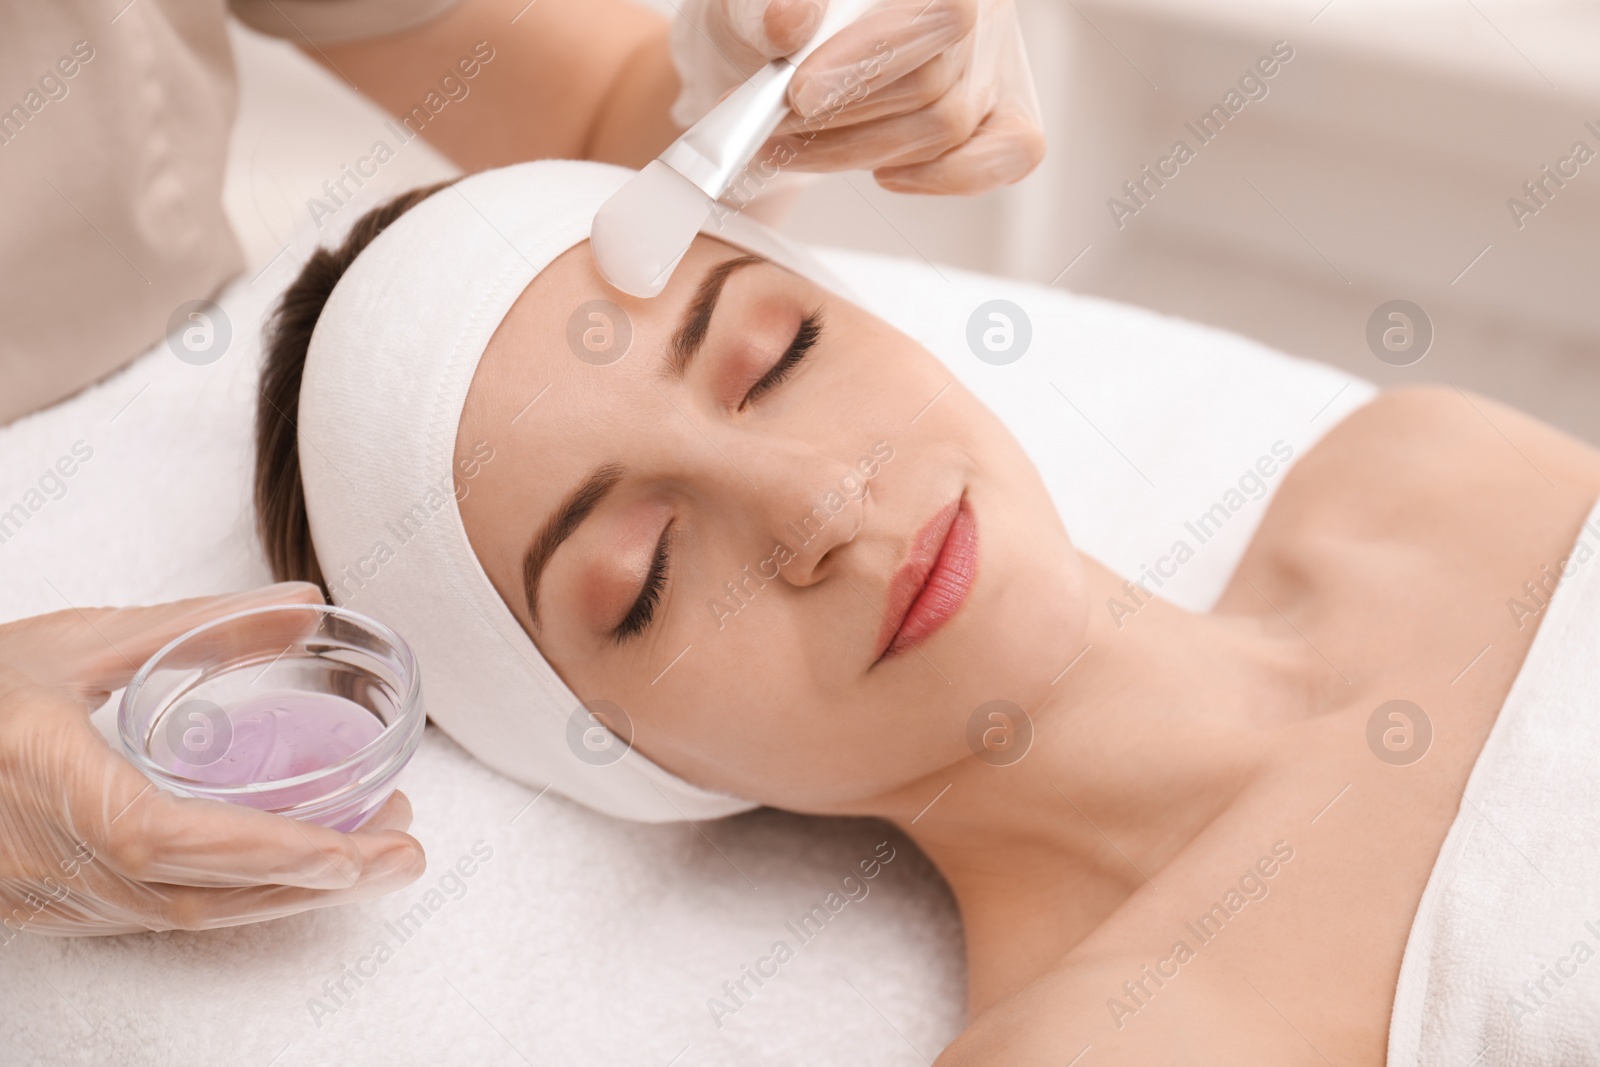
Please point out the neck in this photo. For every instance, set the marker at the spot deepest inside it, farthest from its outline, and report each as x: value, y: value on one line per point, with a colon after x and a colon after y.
x: 1139, y: 745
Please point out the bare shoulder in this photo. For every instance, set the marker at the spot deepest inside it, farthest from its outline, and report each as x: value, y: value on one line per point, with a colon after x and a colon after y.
x: 1445, y: 428
x: 1437, y: 455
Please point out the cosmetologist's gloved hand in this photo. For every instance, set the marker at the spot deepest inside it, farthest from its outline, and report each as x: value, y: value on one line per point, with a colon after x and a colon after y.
x: 88, y: 845
x: 932, y: 96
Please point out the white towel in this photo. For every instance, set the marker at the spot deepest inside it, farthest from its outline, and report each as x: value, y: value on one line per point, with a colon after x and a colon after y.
x: 1502, y: 966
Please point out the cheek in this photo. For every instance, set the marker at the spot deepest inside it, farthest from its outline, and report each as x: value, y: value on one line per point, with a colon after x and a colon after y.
x: 1033, y: 602
x: 748, y: 710
x: 1074, y: 607
x: 1044, y: 585
x: 873, y: 380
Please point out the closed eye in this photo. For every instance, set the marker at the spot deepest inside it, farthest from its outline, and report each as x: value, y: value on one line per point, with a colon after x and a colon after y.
x: 804, y: 339
x: 644, y: 608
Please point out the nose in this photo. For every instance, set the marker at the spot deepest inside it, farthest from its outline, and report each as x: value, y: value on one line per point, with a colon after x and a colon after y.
x: 808, y: 500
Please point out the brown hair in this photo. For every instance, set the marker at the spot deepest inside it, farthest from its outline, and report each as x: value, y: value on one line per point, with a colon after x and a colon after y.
x: 279, y: 497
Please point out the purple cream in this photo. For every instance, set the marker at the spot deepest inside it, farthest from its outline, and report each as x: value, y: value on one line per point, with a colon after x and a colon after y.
x: 276, y: 736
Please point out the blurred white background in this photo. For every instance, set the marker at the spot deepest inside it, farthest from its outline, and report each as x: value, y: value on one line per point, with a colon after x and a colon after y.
x: 1378, y: 166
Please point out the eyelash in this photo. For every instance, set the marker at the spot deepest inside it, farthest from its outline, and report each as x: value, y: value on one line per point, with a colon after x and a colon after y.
x: 645, y: 607
x: 804, y: 339
x: 643, y: 610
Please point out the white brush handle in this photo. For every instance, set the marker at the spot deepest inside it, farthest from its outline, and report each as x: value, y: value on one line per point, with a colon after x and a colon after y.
x: 713, y: 151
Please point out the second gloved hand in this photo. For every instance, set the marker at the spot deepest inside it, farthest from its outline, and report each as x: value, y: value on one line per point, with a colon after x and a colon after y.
x: 88, y: 845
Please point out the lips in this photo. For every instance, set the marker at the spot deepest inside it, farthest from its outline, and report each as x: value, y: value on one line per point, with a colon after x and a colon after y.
x: 933, y: 582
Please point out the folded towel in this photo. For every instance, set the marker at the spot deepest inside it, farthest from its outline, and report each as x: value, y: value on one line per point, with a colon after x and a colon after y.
x: 1502, y: 966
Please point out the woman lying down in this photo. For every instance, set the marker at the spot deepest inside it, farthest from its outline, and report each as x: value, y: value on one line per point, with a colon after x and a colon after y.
x: 745, y: 544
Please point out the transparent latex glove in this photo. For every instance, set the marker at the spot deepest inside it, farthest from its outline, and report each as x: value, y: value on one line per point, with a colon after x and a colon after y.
x: 932, y: 96
x: 88, y: 845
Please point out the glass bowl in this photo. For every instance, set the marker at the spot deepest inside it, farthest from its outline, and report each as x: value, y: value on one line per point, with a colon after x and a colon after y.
x: 306, y: 710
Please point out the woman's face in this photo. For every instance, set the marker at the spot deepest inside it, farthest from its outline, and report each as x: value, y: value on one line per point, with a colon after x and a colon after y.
x: 775, y: 489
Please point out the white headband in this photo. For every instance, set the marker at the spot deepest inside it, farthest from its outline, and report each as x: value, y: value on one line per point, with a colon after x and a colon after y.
x: 390, y: 361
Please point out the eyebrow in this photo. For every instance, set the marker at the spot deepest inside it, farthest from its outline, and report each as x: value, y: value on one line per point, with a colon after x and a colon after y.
x: 579, y: 504
x: 691, y: 332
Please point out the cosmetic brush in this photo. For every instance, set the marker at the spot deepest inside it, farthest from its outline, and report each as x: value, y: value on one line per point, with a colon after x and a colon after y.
x: 643, y: 230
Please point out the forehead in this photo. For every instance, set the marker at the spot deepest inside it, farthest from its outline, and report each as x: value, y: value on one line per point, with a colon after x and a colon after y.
x: 570, y: 327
